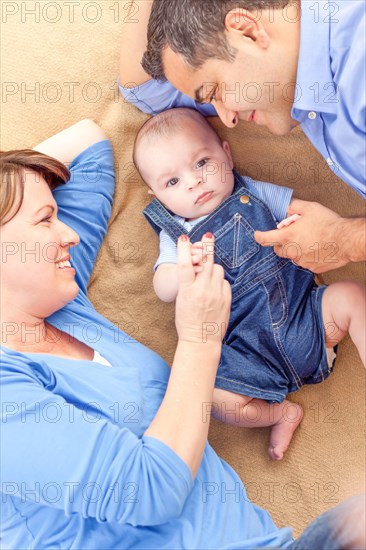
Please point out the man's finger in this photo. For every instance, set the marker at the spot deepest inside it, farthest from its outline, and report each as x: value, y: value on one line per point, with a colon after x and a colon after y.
x: 268, y: 238
x: 278, y: 250
x: 297, y: 206
x: 186, y: 274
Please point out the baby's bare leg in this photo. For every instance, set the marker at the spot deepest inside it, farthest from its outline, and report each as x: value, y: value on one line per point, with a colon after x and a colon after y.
x: 344, y: 310
x: 247, y: 412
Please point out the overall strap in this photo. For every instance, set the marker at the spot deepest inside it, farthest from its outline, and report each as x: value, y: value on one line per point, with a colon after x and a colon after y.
x: 160, y: 218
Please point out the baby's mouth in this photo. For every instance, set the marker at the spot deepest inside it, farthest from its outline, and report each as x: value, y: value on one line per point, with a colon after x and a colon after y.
x: 204, y: 197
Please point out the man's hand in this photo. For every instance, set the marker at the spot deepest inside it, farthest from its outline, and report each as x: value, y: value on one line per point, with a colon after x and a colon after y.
x: 320, y: 241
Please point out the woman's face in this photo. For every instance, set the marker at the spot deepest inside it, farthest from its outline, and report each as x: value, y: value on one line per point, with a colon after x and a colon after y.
x: 35, y: 280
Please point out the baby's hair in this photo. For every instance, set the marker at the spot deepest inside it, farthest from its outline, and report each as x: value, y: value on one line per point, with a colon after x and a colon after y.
x: 164, y: 124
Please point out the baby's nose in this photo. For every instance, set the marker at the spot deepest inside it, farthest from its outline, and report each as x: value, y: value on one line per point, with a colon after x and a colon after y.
x: 195, y: 180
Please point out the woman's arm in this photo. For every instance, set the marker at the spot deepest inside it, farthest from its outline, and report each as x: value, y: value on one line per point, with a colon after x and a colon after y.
x: 69, y: 143
x: 202, y: 313
x: 134, y: 41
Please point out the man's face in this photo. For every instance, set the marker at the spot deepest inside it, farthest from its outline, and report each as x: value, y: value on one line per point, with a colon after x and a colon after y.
x: 254, y: 87
x: 190, y: 171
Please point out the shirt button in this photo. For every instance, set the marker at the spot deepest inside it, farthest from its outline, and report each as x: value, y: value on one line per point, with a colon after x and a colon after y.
x: 312, y: 115
x: 244, y: 199
x: 330, y: 162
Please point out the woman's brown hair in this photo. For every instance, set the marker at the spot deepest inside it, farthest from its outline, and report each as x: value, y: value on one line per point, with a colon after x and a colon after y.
x: 13, y: 168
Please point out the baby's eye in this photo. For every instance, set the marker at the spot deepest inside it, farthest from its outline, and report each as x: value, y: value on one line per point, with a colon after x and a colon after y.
x: 172, y: 182
x: 201, y: 163
x: 47, y: 220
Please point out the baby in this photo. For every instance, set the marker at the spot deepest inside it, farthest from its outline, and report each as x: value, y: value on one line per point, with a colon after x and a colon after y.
x: 281, y: 322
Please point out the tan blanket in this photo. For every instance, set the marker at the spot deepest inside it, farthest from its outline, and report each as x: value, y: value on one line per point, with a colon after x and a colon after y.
x: 59, y: 64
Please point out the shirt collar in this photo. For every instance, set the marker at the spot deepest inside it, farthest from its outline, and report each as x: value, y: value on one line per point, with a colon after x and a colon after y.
x: 314, y: 75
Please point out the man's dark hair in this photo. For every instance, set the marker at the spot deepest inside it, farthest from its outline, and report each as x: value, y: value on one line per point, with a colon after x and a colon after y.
x: 194, y: 29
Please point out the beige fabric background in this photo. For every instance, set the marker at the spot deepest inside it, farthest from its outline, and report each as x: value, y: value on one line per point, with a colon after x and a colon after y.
x: 59, y: 64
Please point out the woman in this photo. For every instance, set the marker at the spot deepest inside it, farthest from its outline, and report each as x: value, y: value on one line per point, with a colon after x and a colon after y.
x: 91, y: 452
x: 102, y: 446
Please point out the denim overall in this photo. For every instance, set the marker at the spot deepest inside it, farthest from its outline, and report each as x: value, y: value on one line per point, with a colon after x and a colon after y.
x: 274, y: 341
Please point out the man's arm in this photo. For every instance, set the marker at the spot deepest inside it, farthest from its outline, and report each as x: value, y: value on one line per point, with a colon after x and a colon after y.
x: 352, y: 239
x: 134, y: 41
x: 321, y: 240
x: 166, y: 282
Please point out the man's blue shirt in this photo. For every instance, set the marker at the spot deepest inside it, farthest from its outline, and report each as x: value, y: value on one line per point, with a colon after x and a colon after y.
x: 330, y: 99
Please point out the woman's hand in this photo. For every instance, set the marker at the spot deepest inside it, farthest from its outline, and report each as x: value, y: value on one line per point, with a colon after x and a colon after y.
x: 204, y: 298
x: 199, y: 255
x: 202, y: 312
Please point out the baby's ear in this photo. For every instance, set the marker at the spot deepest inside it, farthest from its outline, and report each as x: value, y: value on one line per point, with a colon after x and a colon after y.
x: 226, y: 148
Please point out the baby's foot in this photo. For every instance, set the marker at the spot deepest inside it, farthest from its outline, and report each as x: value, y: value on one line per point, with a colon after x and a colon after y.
x: 282, y: 432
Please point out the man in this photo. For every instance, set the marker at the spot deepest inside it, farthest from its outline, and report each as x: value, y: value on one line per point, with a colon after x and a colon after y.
x: 279, y: 64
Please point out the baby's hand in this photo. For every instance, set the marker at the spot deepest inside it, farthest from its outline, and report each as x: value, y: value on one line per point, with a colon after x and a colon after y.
x: 288, y: 221
x: 198, y: 255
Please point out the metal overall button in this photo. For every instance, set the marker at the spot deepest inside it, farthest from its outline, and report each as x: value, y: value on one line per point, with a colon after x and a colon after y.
x: 244, y: 199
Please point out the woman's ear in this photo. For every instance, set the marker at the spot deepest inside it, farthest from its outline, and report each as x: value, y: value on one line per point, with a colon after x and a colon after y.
x: 226, y: 148
x: 248, y: 24
x: 151, y: 192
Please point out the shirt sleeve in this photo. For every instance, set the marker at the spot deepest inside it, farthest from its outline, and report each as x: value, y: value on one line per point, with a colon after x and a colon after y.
x: 276, y: 197
x: 85, y: 204
x: 155, y: 96
x: 168, y: 250
x: 55, y: 453
x: 345, y: 133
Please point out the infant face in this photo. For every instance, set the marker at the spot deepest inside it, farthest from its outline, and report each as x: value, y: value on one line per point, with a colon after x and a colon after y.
x: 189, y: 171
